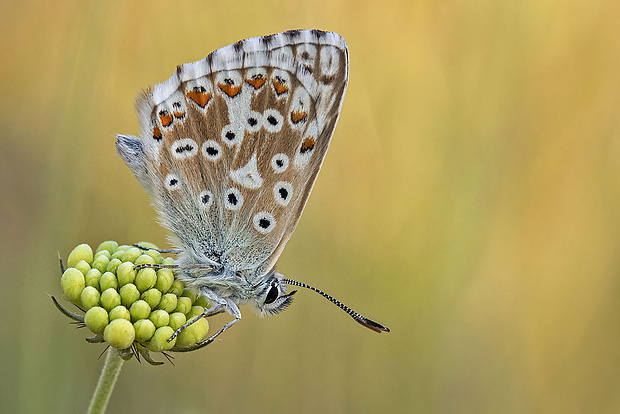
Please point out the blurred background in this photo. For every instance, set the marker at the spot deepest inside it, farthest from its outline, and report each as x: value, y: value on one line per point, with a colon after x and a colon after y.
x: 469, y: 201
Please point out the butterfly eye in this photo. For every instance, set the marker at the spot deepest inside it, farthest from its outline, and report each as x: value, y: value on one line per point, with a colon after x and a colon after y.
x: 272, y: 295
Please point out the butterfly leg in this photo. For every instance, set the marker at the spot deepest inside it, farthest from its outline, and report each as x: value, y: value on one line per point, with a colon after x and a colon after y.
x: 172, y: 266
x: 220, y: 307
x: 173, y: 251
x: 212, y: 338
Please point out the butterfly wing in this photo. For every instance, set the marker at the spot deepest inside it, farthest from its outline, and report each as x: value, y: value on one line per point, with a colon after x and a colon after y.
x: 232, y: 144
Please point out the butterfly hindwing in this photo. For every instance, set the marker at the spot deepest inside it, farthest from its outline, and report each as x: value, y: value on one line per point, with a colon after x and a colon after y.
x: 231, y: 145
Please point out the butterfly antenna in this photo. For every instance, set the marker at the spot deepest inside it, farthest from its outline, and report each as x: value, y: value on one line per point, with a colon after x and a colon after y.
x: 377, y: 327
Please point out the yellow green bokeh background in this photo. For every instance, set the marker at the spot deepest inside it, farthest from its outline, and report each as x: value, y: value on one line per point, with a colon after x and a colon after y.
x: 469, y: 201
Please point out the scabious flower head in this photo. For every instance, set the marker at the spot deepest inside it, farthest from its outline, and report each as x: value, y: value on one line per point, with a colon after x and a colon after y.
x: 133, y: 309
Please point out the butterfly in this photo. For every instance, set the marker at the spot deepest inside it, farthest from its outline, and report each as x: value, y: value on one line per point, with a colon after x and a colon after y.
x: 230, y: 148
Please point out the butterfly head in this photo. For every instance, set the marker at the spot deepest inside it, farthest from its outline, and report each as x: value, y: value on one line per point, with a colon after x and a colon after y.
x: 272, y: 297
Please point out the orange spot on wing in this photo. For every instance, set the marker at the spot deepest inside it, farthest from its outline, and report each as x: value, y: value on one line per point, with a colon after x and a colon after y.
x: 179, y: 115
x: 280, y: 87
x: 298, y: 116
x: 156, y: 133
x: 229, y: 90
x: 165, y: 118
x: 307, y: 145
x: 200, y: 98
x: 256, y: 83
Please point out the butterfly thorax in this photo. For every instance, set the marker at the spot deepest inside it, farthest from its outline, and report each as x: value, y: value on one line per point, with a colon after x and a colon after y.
x: 219, y: 279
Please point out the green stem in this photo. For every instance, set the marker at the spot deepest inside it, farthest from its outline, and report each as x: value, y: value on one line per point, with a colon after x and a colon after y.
x: 107, y: 379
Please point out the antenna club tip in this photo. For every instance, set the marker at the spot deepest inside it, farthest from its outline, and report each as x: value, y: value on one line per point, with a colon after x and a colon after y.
x: 372, y: 325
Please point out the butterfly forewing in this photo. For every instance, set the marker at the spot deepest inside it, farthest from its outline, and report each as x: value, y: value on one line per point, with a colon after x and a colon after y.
x: 233, y: 143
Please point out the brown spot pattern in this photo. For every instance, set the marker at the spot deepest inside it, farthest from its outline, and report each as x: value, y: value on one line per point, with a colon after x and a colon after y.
x: 200, y: 98
x: 298, y: 116
x: 256, y: 83
x: 166, y: 118
x: 157, y: 133
x: 307, y: 145
x: 279, y: 87
x: 229, y: 90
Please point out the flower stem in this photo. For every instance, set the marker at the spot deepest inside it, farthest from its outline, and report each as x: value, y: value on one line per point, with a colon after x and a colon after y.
x: 107, y: 380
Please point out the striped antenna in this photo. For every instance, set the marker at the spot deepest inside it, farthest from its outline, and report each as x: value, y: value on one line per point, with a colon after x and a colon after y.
x: 377, y: 327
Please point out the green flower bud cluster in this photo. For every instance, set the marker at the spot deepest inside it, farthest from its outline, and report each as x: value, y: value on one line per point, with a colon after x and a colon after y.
x: 126, y: 305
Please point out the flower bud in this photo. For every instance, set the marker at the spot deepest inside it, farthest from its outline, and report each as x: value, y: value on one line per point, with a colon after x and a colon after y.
x: 81, y: 252
x: 139, y: 310
x: 203, y: 301
x: 108, y: 280
x: 133, y: 307
x: 73, y: 284
x: 184, y: 305
x: 145, y: 279
x: 195, y: 311
x: 82, y: 266
x: 177, y: 288
x: 144, y: 259
x: 92, y: 278
x: 155, y: 255
x: 119, y: 312
x: 152, y: 297
x: 144, y: 330
x: 90, y: 297
x: 193, y: 334
x: 131, y: 254
x: 168, y: 302
x: 113, y: 265
x: 125, y: 273
x: 110, y: 299
x: 159, y: 318
x: 101, y: 263
x: 119, y: 334
x: 109, y: 245
x: 118, y: 254
x: 177, y: 319
x: 159, y: 341
x: 129, y: 294
x: 96, y: 318
x: 165, y: 279
x: 190, y: 293
x: 103, y: 253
